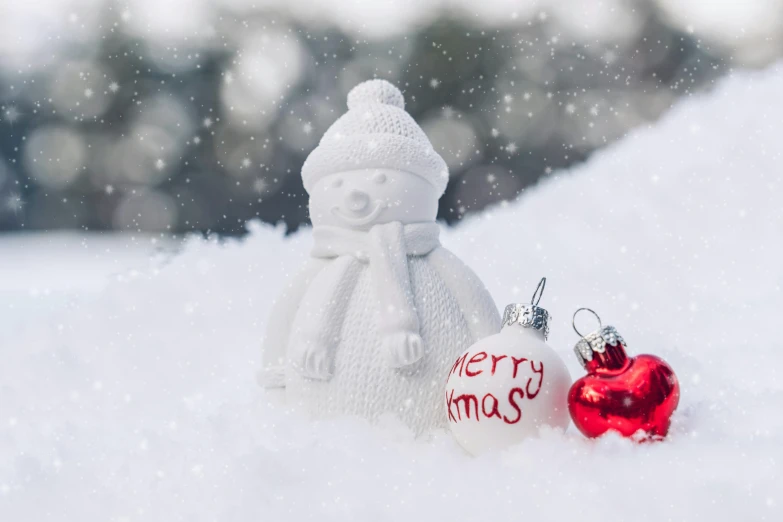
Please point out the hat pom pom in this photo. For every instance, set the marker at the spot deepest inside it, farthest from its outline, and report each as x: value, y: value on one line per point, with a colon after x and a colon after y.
x: 375, y: 91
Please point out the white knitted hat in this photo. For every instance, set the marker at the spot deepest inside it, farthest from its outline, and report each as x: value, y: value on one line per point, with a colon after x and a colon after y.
x: 376, y: 132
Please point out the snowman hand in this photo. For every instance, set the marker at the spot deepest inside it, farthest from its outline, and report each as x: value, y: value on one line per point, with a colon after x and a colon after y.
x: 403, y: 348
x: 312, y: 360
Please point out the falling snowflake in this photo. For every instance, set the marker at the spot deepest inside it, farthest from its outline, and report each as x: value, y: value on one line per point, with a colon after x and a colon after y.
x: 207, y: 122
x: 307, y: 128
x: 495, y: 133
x: 434, y: 83
x: 570, y: 108
x: 14, y: 203
x: 260, y: 185
x: 448, y: 112
x: 526, y: 96
x: 245, y: 162
x: 125, y: 15
x: 228, y: 77
x: 511, y: 148
x: 594, y: 110
x: 114, y: 86
x: 12, y: 114
x: 88, y: 93
x: 109, y: 189
x: 197, y: 140
x: 160, y: 164
x: 508, y: 99
x: 491, y: 178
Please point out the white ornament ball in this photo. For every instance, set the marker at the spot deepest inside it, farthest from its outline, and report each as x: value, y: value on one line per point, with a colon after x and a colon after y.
x: 505, y: 387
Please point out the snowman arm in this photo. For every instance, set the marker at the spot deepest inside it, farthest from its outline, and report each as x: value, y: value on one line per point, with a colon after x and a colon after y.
x: 278, y: 327
x: 471, y: 295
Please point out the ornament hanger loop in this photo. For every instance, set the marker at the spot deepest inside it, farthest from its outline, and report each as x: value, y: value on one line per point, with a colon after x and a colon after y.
x: 541, y: 286
x: 573, y: 321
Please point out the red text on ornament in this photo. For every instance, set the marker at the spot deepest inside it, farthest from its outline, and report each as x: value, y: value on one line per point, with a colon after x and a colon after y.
x: 472, y: 406
x: 478, y: 357
x: 468, y: 367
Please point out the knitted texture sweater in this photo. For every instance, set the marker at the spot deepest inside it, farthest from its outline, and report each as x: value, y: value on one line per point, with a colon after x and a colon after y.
x: 364, y: 384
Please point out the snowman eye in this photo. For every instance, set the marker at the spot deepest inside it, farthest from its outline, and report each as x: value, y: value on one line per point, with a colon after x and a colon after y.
x: 337, y: 183
x: 379, y: 178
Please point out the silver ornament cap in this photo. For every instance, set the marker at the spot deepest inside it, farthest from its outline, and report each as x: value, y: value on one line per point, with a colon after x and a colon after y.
x: 594, y: 344
x: 529, y: 315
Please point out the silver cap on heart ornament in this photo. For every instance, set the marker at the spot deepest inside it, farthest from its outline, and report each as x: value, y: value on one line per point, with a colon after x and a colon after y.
x: 595, y: 343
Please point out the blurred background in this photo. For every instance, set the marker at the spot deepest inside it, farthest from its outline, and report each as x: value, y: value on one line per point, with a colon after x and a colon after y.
x: 179, y: 115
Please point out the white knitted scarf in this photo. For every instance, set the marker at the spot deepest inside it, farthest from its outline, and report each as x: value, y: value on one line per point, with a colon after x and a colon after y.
x: 386, y: 248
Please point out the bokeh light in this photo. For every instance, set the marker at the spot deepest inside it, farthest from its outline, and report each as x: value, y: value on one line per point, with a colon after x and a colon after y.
x: 54, y: 156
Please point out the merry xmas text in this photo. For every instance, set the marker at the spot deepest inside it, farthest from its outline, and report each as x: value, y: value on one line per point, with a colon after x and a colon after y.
x: 488, y: 406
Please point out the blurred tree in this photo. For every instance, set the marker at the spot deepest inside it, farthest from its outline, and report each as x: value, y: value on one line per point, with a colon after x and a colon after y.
x: 173, y: 134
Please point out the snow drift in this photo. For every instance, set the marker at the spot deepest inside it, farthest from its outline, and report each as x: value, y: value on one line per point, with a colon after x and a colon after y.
x: 138, y: 402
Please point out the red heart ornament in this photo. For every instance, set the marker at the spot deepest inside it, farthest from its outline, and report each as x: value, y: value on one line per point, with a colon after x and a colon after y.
x: 621, y: 393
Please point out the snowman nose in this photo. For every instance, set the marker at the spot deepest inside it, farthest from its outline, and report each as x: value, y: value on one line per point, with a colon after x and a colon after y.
x: 356, y: 200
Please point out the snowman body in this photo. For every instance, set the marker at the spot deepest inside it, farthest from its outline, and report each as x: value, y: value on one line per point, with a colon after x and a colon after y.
x: 504, y: 389
x: 362, y: 382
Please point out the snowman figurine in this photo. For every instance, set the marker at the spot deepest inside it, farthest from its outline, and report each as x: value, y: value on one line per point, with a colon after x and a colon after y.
x: 380, y: 311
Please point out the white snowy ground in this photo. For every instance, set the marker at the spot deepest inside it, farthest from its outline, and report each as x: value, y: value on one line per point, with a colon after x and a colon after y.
x: 133, y: 397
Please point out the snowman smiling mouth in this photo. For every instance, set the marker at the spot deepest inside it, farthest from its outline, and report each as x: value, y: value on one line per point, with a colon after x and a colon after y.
x: 361, y: 220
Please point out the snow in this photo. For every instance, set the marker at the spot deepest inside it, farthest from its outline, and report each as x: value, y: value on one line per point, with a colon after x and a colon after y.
x: 44, y: 271
x: 132, y: 396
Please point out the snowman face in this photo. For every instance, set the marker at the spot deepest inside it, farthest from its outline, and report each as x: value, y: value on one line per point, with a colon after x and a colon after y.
x: 360, y: 199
